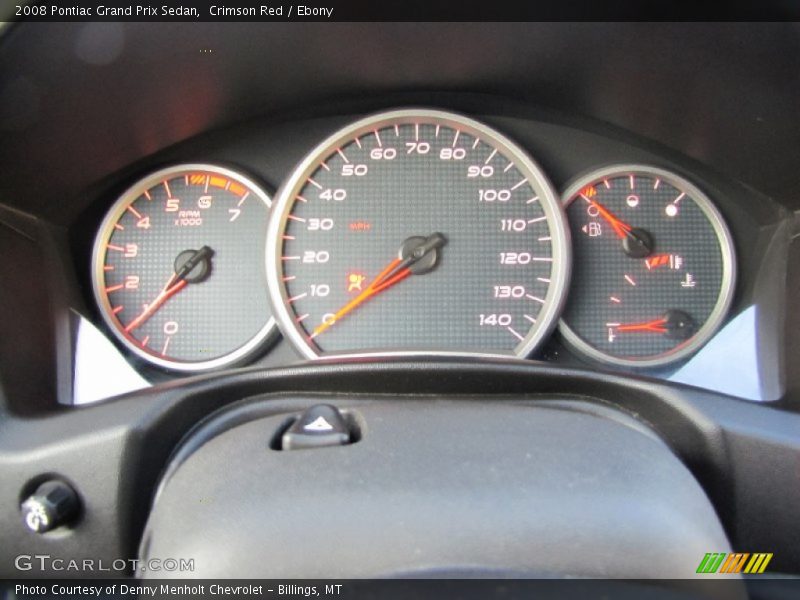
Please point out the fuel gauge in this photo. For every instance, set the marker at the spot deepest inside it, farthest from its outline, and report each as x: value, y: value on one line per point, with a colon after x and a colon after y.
x: 653, y: 267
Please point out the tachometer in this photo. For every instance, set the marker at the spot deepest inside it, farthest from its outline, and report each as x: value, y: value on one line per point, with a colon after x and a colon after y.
x: 178, y: 268
x: 654, y: 267
x: 417, y: 231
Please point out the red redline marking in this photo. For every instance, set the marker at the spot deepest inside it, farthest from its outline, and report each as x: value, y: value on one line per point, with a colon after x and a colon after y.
x: 113, y: 247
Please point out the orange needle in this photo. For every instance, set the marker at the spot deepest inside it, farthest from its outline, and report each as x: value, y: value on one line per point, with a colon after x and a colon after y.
x: 620, y: 227
x: 377, y: 285
x: 393, y: 273
x: 165, y: 294
x: 655, y: 326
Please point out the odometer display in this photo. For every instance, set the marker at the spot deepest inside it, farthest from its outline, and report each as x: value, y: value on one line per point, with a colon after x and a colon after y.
x: 417, y: 231
x: 178, y: 268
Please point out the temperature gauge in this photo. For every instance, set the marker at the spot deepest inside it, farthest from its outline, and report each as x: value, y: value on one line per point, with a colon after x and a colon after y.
x: 653, y: 270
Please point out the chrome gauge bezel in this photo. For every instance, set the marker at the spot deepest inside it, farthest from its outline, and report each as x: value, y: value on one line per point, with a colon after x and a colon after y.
x: 287, y: 193
x: 240, y: 354
x: 728, y: 284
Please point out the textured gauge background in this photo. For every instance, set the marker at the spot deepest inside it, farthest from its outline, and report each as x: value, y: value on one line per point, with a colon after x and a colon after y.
x: 424, y: 187
x: 207, y: 324
x: 690, y: 268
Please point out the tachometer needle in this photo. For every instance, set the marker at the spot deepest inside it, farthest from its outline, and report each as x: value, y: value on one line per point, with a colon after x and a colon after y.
x: 175, y: 284
x: 393, y: 273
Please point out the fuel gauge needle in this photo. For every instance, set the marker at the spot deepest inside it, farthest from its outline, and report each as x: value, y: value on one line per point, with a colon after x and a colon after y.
x: 392, y: 274
x: 637, y: 243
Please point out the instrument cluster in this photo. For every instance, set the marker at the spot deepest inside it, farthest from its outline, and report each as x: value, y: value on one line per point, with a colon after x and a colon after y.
x: 413, y: 232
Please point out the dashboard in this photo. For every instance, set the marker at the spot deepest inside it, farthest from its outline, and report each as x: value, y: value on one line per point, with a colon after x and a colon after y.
x: 471, y: 244
x: 603, y: 269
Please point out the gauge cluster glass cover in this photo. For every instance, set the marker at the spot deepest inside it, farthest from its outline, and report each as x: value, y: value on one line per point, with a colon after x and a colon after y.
x: 417, y: 231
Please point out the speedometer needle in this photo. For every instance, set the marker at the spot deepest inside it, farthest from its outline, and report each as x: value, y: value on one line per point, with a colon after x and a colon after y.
x: 179, y: 279
x: 393, y: 273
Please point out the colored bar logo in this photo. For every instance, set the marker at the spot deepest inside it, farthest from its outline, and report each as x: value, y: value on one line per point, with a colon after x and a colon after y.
x: 735, y: 562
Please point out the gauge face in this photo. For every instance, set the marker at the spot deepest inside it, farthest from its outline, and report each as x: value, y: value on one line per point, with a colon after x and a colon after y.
x: 178, y: 268
x: 417, y: 231
x: 653, y: 270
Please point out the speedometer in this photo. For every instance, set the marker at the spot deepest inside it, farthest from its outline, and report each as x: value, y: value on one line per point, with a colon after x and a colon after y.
x: 417, y: 231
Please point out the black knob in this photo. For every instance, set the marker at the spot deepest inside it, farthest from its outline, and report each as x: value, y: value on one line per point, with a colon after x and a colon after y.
x: 54, y: 503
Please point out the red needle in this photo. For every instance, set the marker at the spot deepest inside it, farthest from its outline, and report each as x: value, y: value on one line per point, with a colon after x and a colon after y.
x: 395, y: 272
x: 620, y: 227
x: 655, y: 326
x: 165, y: 294
x: 384, y: 280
